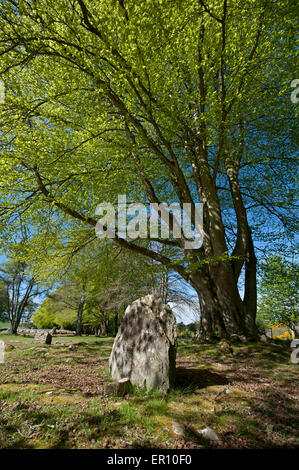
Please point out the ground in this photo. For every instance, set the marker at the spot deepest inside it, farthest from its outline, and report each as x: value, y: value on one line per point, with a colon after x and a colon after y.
x: 52, y: 397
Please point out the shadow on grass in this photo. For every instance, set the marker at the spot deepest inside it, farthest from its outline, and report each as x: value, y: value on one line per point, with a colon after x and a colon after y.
x: 192, y: 379
x: 265, y: 418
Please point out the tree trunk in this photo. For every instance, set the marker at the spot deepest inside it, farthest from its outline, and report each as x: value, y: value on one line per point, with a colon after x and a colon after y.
x: 250, y: 294
x: 164, y: 287
x: 293, y: 333
x: 79, y: 315
x: 115, y: 322
x: 15, y: 320
x: 222, y: 309
x: 14, y: 327
x: 106, y: 326
x: 102, y: 329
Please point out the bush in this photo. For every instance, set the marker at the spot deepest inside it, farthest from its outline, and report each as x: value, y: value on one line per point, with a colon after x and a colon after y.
x: 285, y: 336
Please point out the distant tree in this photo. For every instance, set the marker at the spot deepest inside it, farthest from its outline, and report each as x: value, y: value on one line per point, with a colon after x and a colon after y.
x: 279, y: 301
x: 3, y: 304
x: 55, y: 312
x: 95, y: 287
x: 44, y: 316
x: 20, y: 288
x: 122, y: 278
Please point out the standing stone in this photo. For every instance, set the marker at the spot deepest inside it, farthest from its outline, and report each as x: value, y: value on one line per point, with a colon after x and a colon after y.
x: 208, y: 434
x: 43, y: 337
x: 144, y: 349
x: 264, y: 339
x: 53, y: 331
x: 120, y: 388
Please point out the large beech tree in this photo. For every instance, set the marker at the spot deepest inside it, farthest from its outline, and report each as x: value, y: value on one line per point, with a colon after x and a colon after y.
x: 173, y: 101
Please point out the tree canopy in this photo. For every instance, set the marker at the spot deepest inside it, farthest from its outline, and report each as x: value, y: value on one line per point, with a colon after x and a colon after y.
x: 174, y: 101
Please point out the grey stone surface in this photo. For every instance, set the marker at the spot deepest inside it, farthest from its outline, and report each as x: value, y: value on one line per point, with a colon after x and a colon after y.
x: 264, y: 339
x: 28, y: 331
x: 120, y: 388
x: 243, y: 339
x: 45, y: 338
x: 62, y: 332
x: 178, y: 429
x: 144, y: 349
x: 225, y: 347
x: 53, y: 331
x: 208, y: 434
x: 34, y: 331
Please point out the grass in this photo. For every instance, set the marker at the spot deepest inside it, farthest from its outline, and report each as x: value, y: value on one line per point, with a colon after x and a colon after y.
x: 52, y: 397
